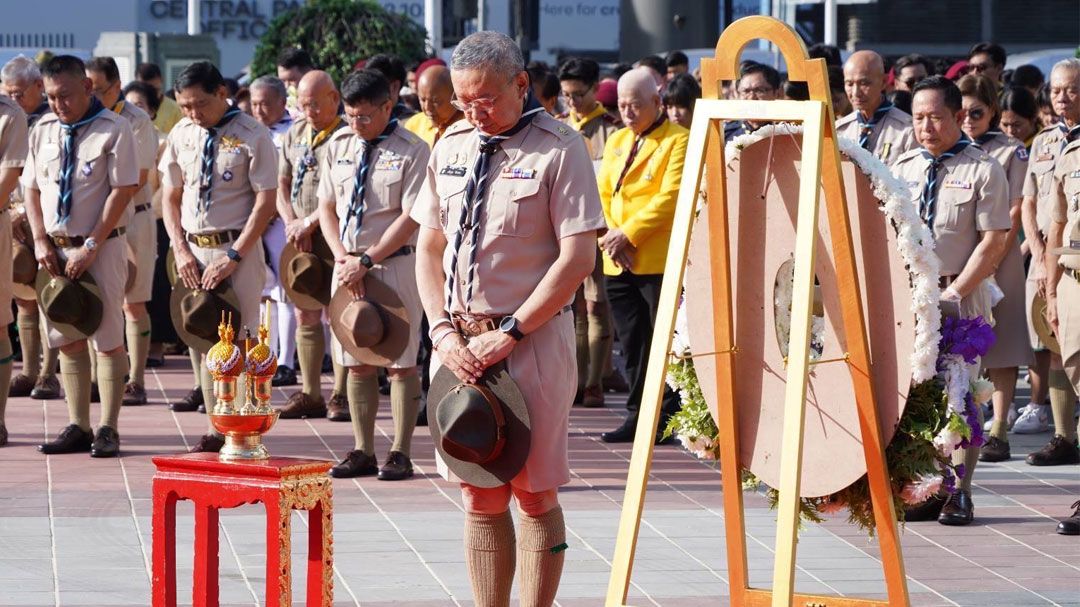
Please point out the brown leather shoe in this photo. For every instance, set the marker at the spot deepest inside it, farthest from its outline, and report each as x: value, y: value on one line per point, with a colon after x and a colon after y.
x: 301, y: 405
x: 398, y: 467
x: 3, y: 435
x: 190, y: 402
x: 106, y: 443
x: 21, y: 385
x: 356, y: 463
x: 47, y: 387
x: 208, y: 443
x: 72, y: 439
x: 134, y: 394
x: 995, y: 450
x: 338, y: 408
x: 593, y: 397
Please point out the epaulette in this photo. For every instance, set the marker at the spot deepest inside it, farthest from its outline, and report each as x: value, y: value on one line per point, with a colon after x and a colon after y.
x: 908, y: 155
x: 977, y: 153
x: 548, y: 123
x: 459, y: 127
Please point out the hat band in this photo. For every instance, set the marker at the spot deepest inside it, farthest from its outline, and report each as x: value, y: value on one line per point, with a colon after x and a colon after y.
x: 500, y: 422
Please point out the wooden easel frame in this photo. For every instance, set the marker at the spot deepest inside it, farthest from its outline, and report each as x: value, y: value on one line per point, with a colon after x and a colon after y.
x: 820, y: 155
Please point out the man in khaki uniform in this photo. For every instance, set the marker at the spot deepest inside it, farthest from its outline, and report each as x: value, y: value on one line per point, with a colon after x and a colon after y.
x: 140, y: 222
x: 302, y: 151
x: 80, y: 176
x: 369, y: 178
x: 513, y: 262
x: 878, y: 126
x: 435, y: 91
x: 219, y: 173
x: 963, y: 195
x: 579, y: 79
x: 23, y: 84
x: 1047, y: 373
x: 13, y: 143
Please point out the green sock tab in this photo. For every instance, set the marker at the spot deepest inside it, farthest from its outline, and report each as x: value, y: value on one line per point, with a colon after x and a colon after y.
x: 557, y: 549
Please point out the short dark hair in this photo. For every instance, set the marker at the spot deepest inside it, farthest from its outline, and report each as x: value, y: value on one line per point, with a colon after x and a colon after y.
x: 1028, y: 76
x: 682, y: 91
x: 366, y: 85
x: 106, y: 66
x: 836, y: 78
x: 767, y: 71
x: 901, y: 100
x: 828, y: 52
x: 953, y: 99
x: 202, y: 74
x: 910, y: 60
x: 676, y: 58
x: 619, y: 69
x: 996, y: 52
x: 294, y: 57
x: 1020, y: 101
x: 580, y: 68
x: 148, y: 71
x: 390, y: 66
x: 1043, y: 98
x: 147, y: 91
x: 655, y: 62
x: 798, y: 91
x: 232, y: 85
x: 543, y: 78
x: 64, y: 64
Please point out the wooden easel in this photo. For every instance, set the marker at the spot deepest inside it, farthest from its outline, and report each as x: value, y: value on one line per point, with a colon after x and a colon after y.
x: 820, y: 156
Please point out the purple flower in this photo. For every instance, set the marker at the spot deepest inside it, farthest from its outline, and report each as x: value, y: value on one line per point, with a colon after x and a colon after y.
x: 961, y: 471
x: 968, y: 338
x: 948, y: 482
x: 971, y: 418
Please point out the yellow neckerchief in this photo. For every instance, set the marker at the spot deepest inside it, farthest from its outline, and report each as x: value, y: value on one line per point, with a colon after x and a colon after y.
x: 317, y: 138
x: 118, y: 107
x: 578, y: 124
x: 439, y: 130
x: 1029, y: 141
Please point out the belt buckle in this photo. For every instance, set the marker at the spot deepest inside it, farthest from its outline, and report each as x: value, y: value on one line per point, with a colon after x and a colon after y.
x: 62, y: 241
x: 472, y: 327
x: 204, y: 240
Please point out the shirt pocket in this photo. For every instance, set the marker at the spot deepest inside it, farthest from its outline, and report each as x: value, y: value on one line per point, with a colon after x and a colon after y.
x: 342, y: 176
x: 231, y: 166
x: 91, y: 161
x: 48, y: 163
x: 1044, y: 178
x: 451, y: 194
x: 955, y: 208
x: 188, y: 159
x: 388, y: 182
x: 515, y: 207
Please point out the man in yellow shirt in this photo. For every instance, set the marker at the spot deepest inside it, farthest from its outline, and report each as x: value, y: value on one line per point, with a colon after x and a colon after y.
x: 435, y: 91
x: 639, y: 184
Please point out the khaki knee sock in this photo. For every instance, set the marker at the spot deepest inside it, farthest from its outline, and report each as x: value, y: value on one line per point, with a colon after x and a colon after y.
x: 1062, y: 398
x: 341, y: 377
x: 581, y: 341
x: 363, y: 392
x: 310, y: 346
x: 404, y: 405
x: 969, y: 457
x: 111, y: 371
x: 6, y: 359
x: 138, y: 343
x: 75, y: 375
x: 30, y: 340
x: 49, y: 355
x: 541, y: 552
x: 600, y: 339
x: 489, y: 557
x: 196, y: 366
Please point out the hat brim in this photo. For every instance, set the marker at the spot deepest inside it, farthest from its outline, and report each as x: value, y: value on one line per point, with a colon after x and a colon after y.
x: 325, y: 255
x: 397, y: 334
x: 24, y: 290
x: 515, y: 452
x: 90, y: 319
x: 1041, y: 326
x: 200, y: 344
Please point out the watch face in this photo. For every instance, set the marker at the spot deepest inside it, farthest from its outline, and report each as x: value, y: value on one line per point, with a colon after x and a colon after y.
x: 507, y: 323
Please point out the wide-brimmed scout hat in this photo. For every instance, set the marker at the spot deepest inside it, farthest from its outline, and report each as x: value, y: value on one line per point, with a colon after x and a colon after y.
x: 24, y: 270
x: 196, y: 313
x: 306, y: 276
x: 374, y: 330
x: 1071, y: 244
x: 73, y: 307
x: 1042, y: 326
x: 482, y: 431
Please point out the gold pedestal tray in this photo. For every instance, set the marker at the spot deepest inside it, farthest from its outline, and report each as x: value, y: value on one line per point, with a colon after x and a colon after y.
x: 243, y: 435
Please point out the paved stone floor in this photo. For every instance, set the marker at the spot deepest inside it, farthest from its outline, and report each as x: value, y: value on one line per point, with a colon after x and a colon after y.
x: 76, y: 531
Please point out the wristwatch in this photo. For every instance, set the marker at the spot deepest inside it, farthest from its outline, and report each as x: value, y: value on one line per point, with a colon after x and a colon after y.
x: 90, y: 243
x: 233, y: 255
x: 511, y: 327
x: 365, y: 260
x: 307, y: 222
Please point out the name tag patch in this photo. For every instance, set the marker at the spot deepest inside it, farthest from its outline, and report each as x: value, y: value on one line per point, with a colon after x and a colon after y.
x: 1074, y: 175
x: 343, y: 161
x: 956, y: 183
x: 454, y: 171
x: 518, y: 173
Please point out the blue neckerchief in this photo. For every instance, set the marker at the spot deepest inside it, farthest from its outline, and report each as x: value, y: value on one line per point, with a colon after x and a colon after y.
x: 983, y: 139
x: 206, y: 168
x: 356, y: 203
x: 472, y: 207
x: 866, y: 127
x: 67, y: 159
x: 1071, y: 135
x: 928, y: 200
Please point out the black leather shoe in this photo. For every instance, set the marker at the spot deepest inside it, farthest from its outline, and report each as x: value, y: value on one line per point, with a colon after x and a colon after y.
x: 995, y: 450
x: 624, y: 433
x: 46, y: 388
x: 106, y: 443
x: 398, y: 467
x: 958, y: 509
x: 153, y: 362
x: 21, y: 386
x: 926, y: 511
x: 3, y: 435
x: 1071, y: 525
x: 356, y: 463
x: 95, y: 394
x: 284, y: 376
x: 72, y: 439
x: 134, y: 394
x: 1058, y: 452
x: 208, y: 443
x: 189, y: 403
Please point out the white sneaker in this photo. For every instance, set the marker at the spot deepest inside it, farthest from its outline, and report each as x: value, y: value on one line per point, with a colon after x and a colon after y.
x: 1033, y: 419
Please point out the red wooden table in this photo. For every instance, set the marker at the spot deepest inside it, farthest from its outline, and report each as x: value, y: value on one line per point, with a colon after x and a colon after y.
x: 282, y: 484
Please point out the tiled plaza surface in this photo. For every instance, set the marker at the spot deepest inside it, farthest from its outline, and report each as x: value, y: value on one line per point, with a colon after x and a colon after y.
x: 76, y: 531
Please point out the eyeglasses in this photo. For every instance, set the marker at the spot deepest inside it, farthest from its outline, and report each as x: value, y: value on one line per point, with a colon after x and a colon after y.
x: 483, y: 104
x: 574, y: 96
x: 360, y: 119
x: 977, y: 113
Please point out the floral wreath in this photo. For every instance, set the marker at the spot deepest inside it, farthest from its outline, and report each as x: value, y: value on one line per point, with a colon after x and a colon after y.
x: 941, y: 410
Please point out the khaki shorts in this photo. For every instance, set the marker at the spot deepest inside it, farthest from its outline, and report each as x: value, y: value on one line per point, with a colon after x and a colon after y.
x: 247, y: 282
x: 142, y: 240
x: 5, y: 269
x: 595, y: 285
x: 1068, y: 305
x: 110, y: 273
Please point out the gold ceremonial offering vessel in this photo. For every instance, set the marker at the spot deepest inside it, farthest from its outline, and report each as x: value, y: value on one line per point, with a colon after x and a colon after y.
x: 243, y: 426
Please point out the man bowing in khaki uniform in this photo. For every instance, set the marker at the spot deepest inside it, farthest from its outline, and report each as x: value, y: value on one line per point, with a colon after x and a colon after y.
x: 876, y: 124
x: 79, y: 178
x: 219, y: 173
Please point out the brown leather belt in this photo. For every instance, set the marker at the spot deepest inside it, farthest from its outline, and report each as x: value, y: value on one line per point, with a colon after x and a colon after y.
x: 213, y: 239
x: 405, y: 250
x: 64, y: 241
x: 139, y: 208
x: 471, y: 325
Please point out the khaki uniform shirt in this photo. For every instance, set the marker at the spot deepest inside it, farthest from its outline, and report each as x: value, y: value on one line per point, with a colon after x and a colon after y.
x: 973, y: 197
x: 104, y: 159
x: 1045, y: 150
x: 1065, y: 200
x: 245, y: 163
x: 595, y: 131
x: 13, y: 135
x: 394, y: 180
x: 1013, y: 157
x: 146, y: 146
x: 540, y: 188
x: 296, y: 151
x: 891, y: 138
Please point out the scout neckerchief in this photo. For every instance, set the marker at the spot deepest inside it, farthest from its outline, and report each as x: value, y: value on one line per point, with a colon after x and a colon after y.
x: 356, y: 203
x: 579, y: 123
x: 473, y: 205
x: 206, y: 168
x: 118, y: 107
x: 928, y: 200
x: 307, y: 161
x: 866, y: 127
x: 1071, y: 134
x: 985, y: 138
x: 634, y: 149
x: 67, y: 159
